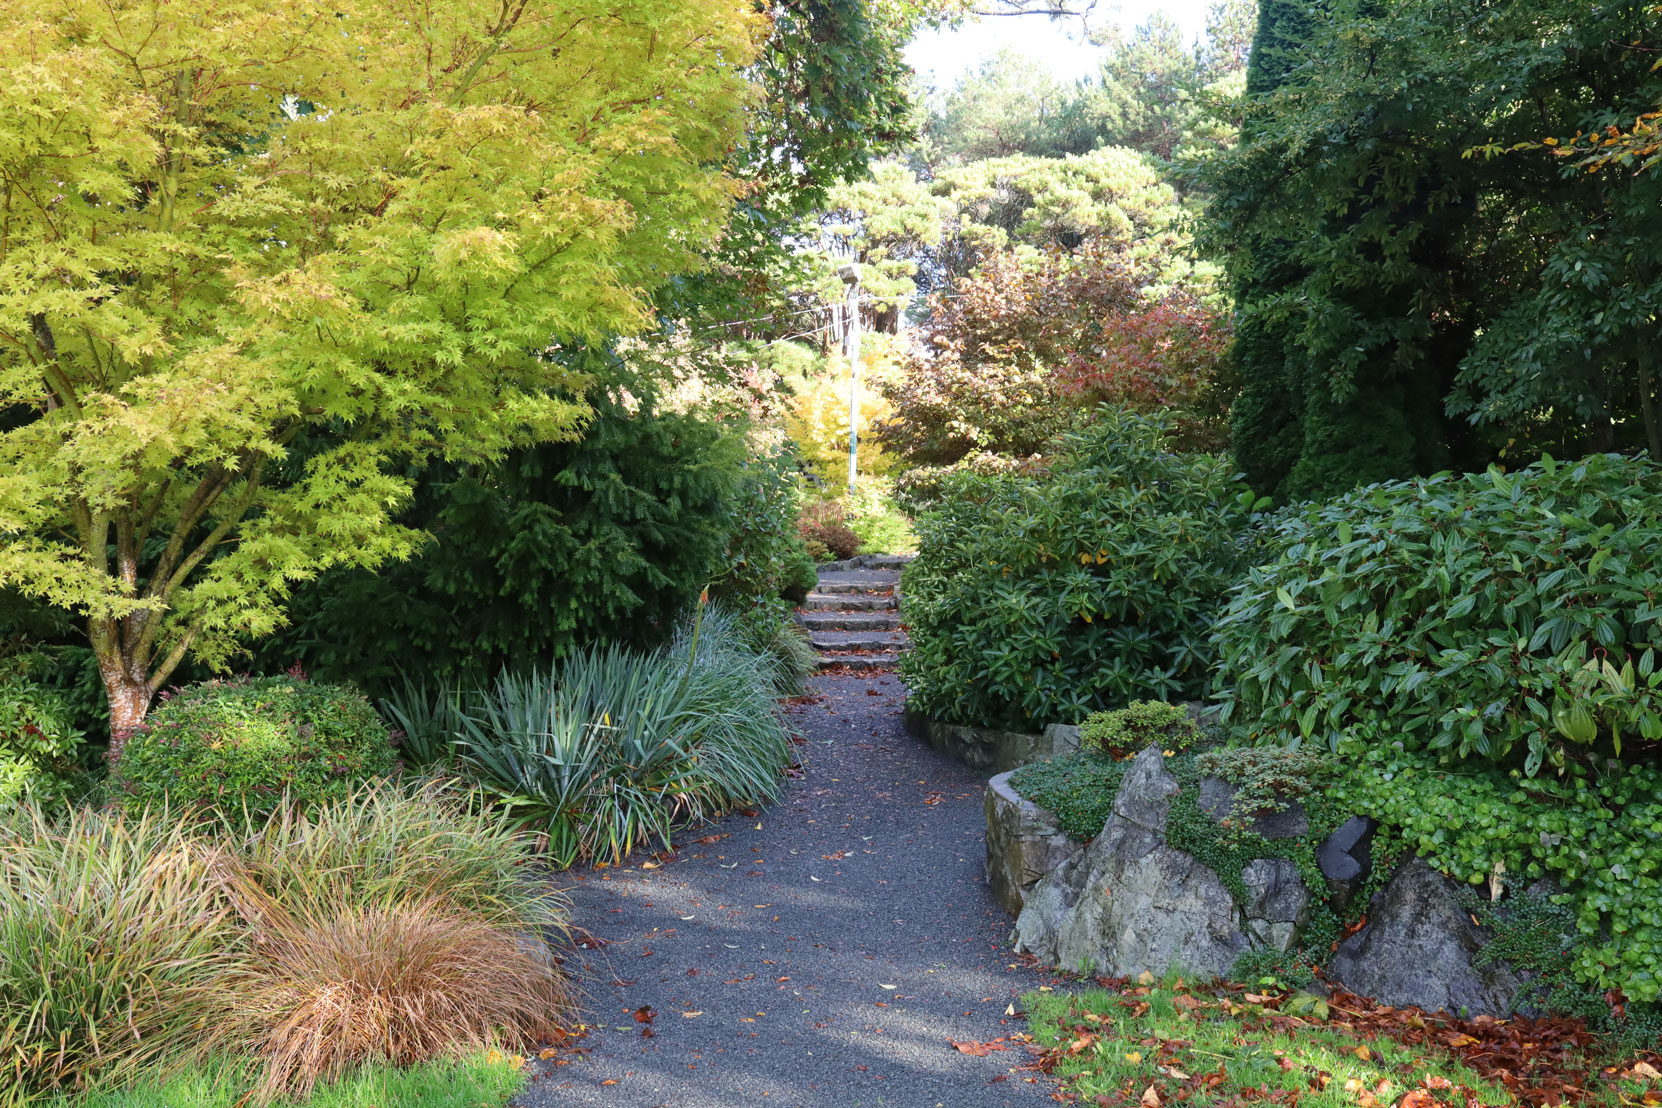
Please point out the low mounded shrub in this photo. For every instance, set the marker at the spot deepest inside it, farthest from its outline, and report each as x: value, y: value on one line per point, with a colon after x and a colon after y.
x: 1040, y: 598
x: 247, y: 743
x: 1125, y: 732
x: 1511, y: 620
x: 824, y: 523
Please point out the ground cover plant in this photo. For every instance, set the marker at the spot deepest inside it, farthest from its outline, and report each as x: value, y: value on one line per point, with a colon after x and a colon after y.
x: 1150, y: 1043
x: 1040, y: 598
x: 393, y: 925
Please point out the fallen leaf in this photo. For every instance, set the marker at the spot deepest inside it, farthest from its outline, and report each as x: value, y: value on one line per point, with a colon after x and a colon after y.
x: 979, y: 1050
x: 691, y: 1015
x: 1364, y: 1053
x: 644, y: 1014
x: 1151, y: 1098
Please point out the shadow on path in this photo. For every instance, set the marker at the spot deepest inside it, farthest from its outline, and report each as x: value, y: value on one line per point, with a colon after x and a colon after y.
x: 817, y: 955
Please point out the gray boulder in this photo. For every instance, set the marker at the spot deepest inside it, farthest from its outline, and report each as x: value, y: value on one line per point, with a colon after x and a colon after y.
x: 1128, y: 902
x: 1419, y: 948
x: 1024, y: 842
x: 1346, y: 859
x: 1217, y: 799
x: 1278, y: 904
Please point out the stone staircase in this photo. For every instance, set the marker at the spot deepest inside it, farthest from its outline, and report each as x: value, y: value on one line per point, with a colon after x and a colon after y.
x: 853, y: 615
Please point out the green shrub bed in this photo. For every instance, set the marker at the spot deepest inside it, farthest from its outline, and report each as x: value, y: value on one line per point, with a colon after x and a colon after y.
x: 1040, y: 598
x: 1512, y: 620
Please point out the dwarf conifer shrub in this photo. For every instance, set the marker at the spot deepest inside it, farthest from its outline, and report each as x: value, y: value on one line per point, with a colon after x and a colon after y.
x: 249, y: 743
x: 1125, y: 731
x: 1040, y: 598
x: 1508, y: 619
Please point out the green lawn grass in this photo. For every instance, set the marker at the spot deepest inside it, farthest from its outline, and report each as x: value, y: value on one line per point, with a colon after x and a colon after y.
x: 482, y: 1080
x: 1159, y: 1043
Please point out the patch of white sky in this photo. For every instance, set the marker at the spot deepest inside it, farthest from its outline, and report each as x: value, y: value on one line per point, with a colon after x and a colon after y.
x: 941, y: 57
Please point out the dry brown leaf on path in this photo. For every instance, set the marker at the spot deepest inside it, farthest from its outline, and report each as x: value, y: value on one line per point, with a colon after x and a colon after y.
x: 979, y: 1050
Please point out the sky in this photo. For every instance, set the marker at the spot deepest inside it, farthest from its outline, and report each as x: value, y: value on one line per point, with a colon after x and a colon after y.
x: 1056, y: 45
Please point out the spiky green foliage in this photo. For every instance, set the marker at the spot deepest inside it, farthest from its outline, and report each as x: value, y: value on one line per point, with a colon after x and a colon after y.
x: 612, y: 749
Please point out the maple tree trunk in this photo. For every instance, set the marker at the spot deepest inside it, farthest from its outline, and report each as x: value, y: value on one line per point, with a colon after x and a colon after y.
x: 129, y: 699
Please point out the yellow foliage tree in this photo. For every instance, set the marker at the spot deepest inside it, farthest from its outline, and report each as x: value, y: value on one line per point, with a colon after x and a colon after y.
x: 258, y: 255
x: 816, y: 420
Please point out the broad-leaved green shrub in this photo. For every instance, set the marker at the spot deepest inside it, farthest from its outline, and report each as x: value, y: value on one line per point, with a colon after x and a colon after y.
x: 253, y: 744
x: 1124, y: 732
x: 1040, y: 598
x: 39, y: 746
x: 1511, y: 619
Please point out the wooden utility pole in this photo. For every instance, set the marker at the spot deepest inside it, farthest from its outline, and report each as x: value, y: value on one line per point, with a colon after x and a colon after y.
x: 851, y: 350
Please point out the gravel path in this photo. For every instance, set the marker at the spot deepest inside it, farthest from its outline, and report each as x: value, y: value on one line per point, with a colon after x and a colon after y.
x: 819, y: 954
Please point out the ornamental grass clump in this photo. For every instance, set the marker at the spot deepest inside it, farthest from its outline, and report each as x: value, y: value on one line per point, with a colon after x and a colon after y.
x: 389, y: 925
x: 114, y: 935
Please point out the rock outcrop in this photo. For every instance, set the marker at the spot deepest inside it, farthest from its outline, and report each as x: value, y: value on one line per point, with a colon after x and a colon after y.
x: 1128, y: 902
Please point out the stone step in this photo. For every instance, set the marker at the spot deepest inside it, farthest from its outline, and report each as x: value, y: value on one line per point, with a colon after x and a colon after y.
x: 858, y: 580
x: 857, y: 661
x: 844, y: 602
x: 869, y: 561
x: 850, y: 621
x: 856, y: 585
x: 859, y: 640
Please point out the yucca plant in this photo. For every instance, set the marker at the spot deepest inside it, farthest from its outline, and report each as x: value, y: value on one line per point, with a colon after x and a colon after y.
x: 426, y: 718
x: 613, y: 748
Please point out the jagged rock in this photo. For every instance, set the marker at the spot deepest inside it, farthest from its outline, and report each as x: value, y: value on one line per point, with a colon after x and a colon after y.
x: 1128, y: 902
x: 1346, y: 858
x: 1278, y: 904
x: 1419, y: 948
x: 1024, y: 842
x: 1217, y: 799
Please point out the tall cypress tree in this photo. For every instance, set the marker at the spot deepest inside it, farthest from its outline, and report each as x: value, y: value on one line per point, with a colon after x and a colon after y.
x: 1335, y: 390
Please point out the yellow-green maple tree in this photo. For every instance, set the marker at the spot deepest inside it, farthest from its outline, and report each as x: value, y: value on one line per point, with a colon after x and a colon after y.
x: 232, y: 227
